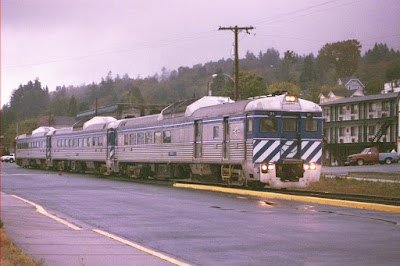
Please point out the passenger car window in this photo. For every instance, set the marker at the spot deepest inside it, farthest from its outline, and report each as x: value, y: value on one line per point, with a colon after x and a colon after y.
x: 140, y: 138
x: 149, y: 137
x: 167, y: 136
x: 133, y: 139
x: 158, y: 137
x: 216, y: 132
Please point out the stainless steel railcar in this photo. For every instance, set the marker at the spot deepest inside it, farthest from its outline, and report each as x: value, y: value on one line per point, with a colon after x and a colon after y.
x: 272, y: 140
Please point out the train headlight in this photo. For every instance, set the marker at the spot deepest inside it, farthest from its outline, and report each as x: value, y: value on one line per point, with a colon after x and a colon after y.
x: 290, y: 98
x: 265, y: 167
x: 310, y: 166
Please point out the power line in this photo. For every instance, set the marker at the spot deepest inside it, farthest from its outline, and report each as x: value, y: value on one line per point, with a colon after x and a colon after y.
x: 155, y: 44
x: 282, y: 16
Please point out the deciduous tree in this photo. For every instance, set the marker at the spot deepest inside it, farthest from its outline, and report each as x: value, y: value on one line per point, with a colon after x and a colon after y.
x: 344, y: 56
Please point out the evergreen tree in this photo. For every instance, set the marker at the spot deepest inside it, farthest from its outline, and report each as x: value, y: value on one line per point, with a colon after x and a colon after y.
x: 72, y: 107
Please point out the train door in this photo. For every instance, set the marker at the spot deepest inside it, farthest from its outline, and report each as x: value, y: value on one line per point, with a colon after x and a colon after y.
x: 198, y: 128
x: 48, y: 148
x: 110, y: 147
x: 290, y: 140
x: 226, y: 138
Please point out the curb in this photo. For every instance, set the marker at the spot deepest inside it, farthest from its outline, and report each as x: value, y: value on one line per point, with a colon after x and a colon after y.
x: 344, y: 203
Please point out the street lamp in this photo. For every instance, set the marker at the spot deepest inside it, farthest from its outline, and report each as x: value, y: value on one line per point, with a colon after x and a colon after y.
x: 234, y: 83
x: 215, y: 75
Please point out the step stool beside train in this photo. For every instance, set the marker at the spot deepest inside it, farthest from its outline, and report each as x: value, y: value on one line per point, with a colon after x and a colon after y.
x: 269, y: 140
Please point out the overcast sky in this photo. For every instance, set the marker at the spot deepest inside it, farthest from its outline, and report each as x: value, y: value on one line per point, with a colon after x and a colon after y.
x: 78, y: 42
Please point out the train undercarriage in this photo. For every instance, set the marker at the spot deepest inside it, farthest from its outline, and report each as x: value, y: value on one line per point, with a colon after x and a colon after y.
x: 195, y: 172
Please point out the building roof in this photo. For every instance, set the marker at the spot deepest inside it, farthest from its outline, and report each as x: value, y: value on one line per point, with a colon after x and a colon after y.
x: 325, y: 94
x: 346, y: 93
x: 362, y: 99
x: 345, y: 80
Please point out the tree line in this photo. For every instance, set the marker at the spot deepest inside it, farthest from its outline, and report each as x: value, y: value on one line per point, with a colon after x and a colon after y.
x: 304, y: 75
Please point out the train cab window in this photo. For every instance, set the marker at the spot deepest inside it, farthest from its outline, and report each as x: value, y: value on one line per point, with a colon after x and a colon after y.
x: 133, y: 138
x: 167, y: 136
x: 289, y: 125
x: 126, y: 139
x: 158, y: 137
x: 85, y: 142
x: 90, y: 141
x: 149, y: 137
x: 140, y: 138
x: 80, y: 142
x: 75, y: 142
x: 216, y: 132
x: 268, y: 125
x: 311, y: 125
x: 100, y: 141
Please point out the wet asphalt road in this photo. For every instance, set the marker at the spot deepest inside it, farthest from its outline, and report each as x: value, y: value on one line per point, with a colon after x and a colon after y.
x: 376, y: 168
x: 209, y: 228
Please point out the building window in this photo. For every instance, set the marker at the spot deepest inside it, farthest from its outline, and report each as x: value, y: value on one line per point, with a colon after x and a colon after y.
x: 353, y: 109
x: 342, y: 110
x: 385, y: 106
x: 341, y: 131
x: 353, y: 131
x: 371, y: 130
x: 371, y: 107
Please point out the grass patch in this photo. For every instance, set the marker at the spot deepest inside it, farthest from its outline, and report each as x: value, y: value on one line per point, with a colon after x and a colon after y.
x: 12, y: 255
x: 350, y: 186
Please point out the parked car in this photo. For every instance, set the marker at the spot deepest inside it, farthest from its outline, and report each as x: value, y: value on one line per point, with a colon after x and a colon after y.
x: 372, y: 155
x: 8, y: 158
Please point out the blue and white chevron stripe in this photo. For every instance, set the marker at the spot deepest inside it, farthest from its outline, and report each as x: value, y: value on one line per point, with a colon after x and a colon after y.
x: 272, y: 151
x: 112, y: 153
x: 311, y: 151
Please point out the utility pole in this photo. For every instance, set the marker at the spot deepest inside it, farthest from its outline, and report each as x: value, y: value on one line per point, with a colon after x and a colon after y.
x: 236, y: 30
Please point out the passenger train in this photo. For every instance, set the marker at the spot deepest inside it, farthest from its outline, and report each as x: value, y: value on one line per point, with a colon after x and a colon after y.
x: 271, y: 141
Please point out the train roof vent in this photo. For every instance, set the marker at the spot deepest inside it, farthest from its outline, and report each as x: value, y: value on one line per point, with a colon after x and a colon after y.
x: 98, y: 122
x: 176, y: 109
x: 41, y: 131
x: 188, y: 107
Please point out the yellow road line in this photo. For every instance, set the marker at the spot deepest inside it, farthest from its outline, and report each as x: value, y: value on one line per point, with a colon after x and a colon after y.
x: 149, y: 251
x: 40, y: 210
x: 345, y: 203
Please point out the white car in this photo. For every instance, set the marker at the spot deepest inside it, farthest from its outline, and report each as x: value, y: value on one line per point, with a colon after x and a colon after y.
x: 8, y: 158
